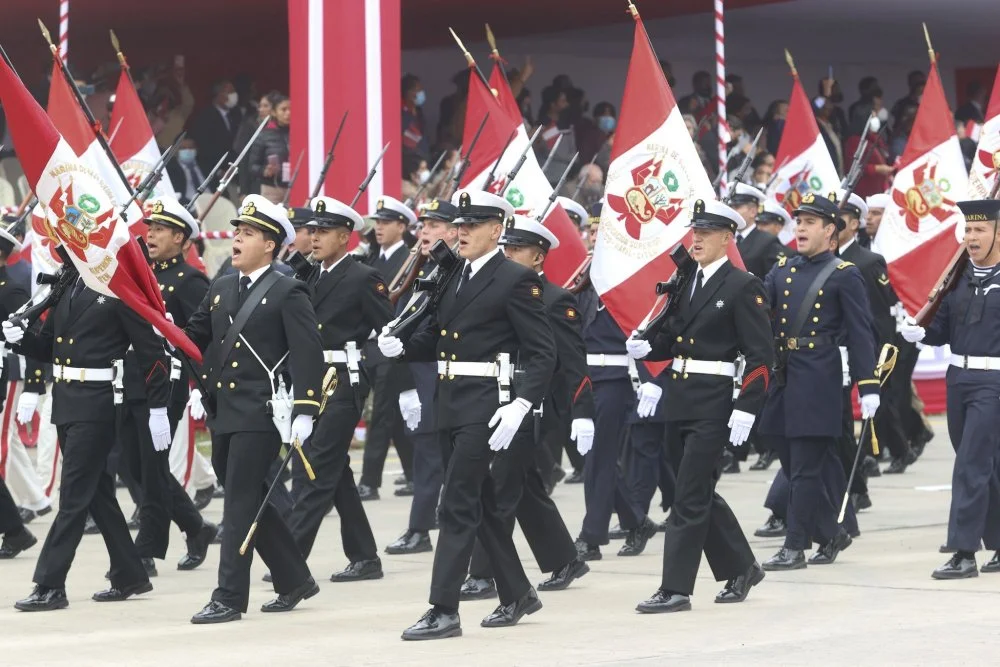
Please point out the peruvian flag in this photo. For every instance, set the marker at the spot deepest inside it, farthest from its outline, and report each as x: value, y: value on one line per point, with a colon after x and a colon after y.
x: 805, y: 162
x: 81, y: 207
x: 983, y: 175
x: 43, y: 242
x: 918, y: 232
x: 133, y: 142
x: 530, y: 191
x: 654, y: 178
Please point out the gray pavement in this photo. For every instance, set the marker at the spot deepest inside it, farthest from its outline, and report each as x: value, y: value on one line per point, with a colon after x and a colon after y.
x: 877, y: 605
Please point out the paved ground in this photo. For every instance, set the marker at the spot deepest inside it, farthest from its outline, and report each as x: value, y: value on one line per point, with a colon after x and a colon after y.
x: 876, y: 605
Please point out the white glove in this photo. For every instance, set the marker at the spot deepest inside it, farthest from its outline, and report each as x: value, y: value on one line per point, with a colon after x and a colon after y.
x: 12, y: 333
x: 582, y: 431
x: 740, y: 424
x: 159, y: 428
x: 636, y: 347
x: 302, y: 428
x: 26, y: 406
x: 409, y: 407
x: 390, y: 346
x: 195, y: 408
x: 869, y: 405
x: 507, y: 420
x: 910, y: 331
x: 649, y: 396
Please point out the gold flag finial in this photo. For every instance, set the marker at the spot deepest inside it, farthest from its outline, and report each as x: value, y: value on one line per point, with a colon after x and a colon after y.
x: 791, y: 63
x: 46, y: 35
x: 930, y: 49
x: 492, y: 40
x: 632, y: 10
x: 118, y: 49
x: 465, y: 52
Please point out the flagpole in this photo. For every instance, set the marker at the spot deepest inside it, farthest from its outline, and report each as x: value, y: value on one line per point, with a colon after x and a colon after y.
x: 469, y: 59
x: 64, y: 29
x: 121, y: 57
x: 495, y: 53
x: 720, y: 92
x: 930, y: 48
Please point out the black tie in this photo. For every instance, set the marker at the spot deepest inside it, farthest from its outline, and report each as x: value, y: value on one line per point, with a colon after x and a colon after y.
x: 739, y: 240
x: 466, y: 277
x: 697, y: 285
x: 244, y: 288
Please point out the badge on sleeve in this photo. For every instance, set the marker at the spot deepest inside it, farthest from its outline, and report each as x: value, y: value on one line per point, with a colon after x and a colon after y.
x: 883, y: 280
x: 571, y: 313
x: 760, y: 300
x: 536, y: 291
x: 380, y: 287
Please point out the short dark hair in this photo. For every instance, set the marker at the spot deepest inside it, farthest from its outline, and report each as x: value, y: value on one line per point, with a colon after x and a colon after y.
x: 603, y: 107
x: 410, y: 81
x: 279, y: 242
x: 217, y: 86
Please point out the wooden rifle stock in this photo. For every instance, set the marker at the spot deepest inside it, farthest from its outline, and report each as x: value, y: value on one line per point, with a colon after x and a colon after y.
x: 580, y: 280
x: 945, y: 284
x: 407, y: 274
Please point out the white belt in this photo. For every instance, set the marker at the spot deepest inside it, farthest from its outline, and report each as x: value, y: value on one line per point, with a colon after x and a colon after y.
x: 976, y: 363
x: 351, y: 356
x: 476, y: 369
x: 335, y: 356
x: 723, y: 368
x: 608, y: 360
x: 82, y: 374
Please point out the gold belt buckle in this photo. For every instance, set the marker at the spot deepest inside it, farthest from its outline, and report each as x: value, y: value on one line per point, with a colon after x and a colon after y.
x: 793, y: 343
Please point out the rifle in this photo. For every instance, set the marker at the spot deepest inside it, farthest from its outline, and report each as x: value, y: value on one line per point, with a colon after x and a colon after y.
x: 464, y: 164
x: 234, y: 167
x: 580, y: 279
x: 555, y: 190
x: 673, y: 290
x: 368, y: 179
x: 328, y: 161
x: 744, y: 167
x: 153, y: 177
x: 411, y: 201
x: 204, y: 184
x: 491, y: 176
x: 552, y: 153
x: 583, y: 177
x: 520, y: 161
x: 60, y: 282
x: 295, y: 177
x: 447, y: 265
x: 861, y: 156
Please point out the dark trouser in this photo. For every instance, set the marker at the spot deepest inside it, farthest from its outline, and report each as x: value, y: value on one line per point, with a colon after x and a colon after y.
x: 282, y: 500
x: 899, y: 389
x: 515, y: 473
x: 847, y: 446
x: 86, y: 487
x: 604, y: 488
x: 241, y: 460
x: 470, y: 509
x: 645, y: 470
x: 328, y: 451
x: 700, y: 520
x: 428, y: 473
x: 889, y: 428
x: 817, y: 488
x: 386, y: 424
x: 974, y: 428
x: 777, y: 495
x: 118, y: 470
x: 10, y: 518
x: 162, y: 497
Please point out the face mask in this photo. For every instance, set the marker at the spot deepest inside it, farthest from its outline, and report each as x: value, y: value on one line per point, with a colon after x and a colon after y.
x: 420, y: 98
x: 607, y: 124
x: 423, y: 176
x: 187, y: 155
x: 231, y: 100
x: 883, y: 114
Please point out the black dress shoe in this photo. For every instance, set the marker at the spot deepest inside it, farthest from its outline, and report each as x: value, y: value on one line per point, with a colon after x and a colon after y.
x: 288, y: 601
x: 203, y: 497
x: 133, y: 522
x: 360, y: 571
x: 617, y: 533
x: 897, y: 467
x: 216, y: 612
x: 558, y: 475
x: 870, y: 467
x: 476, y: 588
x: 118, y: 594
x: 637, y: 538
x: 564, y: 576
x: 587, y: 551
x: 774, y: 527
x: 27, y: 516
x: 13, y: 544
x: 43, y: 599
x: 90, y: 527
x: 149, y: 565
x: 993, y: 565
x: 404, y: 490
x: 400, y: 481
x: 219, y: 492
x: 575, y: 477
x: 764, y: 461
x: 827, y: 553
x: 664, y: 602
x: 434, y: 625
x: 861, y: 501
x: 737, y: 589
x: 507, y: 615
x: 410, y: 542
x: 197, y: 546
x: 367, y: 492
x: 730, y: 465
x: 218, y: 535
x: 960, y: 566
x: 786, y: 559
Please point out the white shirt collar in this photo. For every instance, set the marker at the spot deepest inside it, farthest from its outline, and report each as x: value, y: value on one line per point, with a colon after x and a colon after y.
x: 334, y: 265
x: 386, y: 253
x: 481, y: 262
x: 746, y: 230
x: 846, y: 246
x: 254, y: 276
x: 709, y: 271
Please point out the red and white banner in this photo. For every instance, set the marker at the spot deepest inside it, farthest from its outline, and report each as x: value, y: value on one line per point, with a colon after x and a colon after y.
x: 345, y: 56
x: 654, y: 178
x: 986, y: 165
x: 132, y: 140
x: 805, y: 165
x: 920, y: 228
x: 82, y: 204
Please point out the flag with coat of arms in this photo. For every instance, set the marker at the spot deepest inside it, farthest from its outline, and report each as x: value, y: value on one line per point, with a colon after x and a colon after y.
x: 986, y: 163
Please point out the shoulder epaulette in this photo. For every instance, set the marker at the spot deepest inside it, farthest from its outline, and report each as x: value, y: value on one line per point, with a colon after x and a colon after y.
x: 844, y: 265
x: 782, y: 259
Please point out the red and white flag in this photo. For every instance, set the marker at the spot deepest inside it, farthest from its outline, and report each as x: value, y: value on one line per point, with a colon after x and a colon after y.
x: 804, y: 159
x: 132, y: 140
x: 82, y: 209
x: 917, y: 236
x: 986, y: 165
x: 654, y: 178
x: 529, y: 192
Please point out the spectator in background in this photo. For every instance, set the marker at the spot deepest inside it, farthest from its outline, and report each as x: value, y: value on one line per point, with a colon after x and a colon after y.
x: 214, y: 128
x: 246, y: 92
x: 554, y: 103
x: 268, y: 158
x: 170, y: 102
x: 763, y: 169
x: 740, y: 107
x: 915, y: 81
x: 749, y: 116
x: 597, y: 140
x: 860, y: 110
x: 967, y: 144
x: 974, y: 109
x: 699, y: 102
x: 901, y: 130
x: 185, y: 174
x: 451, y: 113
x: 415, y: 174
x: 692, y: 128
x: 829, y: 118
x: 592, y: 188
x: 668, y: 71
x: 247, y: 183
x: 414, y: 97
x: 774, y: 125
x: 877, y: 174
